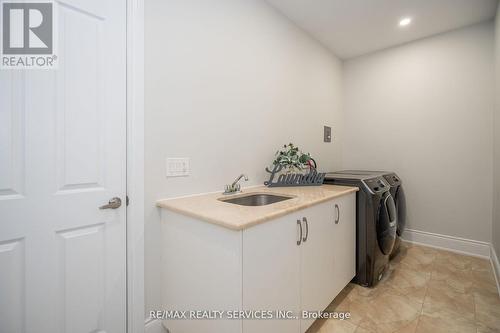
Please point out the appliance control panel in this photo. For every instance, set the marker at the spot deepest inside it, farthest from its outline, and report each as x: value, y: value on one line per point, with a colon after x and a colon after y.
x: 377, y: 185
x: 392, y: 179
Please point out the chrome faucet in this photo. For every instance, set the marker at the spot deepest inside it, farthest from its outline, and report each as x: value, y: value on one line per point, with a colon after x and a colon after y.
x: 235, y: 187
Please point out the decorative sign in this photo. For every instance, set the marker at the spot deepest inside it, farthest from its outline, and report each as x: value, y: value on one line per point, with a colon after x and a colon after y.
x: 313, y: 178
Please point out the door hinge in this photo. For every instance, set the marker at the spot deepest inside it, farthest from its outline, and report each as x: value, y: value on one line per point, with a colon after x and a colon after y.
x: 127, y: 201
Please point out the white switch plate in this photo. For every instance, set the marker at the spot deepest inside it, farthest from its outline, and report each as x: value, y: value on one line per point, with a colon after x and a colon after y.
x: 178, y: 167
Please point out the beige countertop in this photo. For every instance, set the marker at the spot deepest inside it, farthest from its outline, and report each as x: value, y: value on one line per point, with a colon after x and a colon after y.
x: 209, y: 208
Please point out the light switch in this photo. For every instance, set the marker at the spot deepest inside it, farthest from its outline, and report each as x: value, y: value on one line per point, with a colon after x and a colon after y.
x: 327, y: 134
x: 178, y: 167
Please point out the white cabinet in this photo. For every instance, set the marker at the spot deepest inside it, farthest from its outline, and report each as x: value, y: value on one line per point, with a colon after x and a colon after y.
x: 298, y: 262
x: 317, y: 260
x: 344, y: 241
x: 271, y: 273
x: 201, y: 271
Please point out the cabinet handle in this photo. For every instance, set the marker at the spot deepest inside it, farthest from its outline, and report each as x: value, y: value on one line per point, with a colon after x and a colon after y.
x: 300, y: 235
x: 337, y: 209
x: 307, y: 229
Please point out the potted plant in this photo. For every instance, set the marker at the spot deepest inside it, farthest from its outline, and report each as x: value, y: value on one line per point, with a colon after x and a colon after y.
x: 291, y: 158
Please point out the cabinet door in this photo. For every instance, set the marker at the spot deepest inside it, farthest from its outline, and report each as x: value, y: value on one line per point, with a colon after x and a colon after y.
x: 317, y: 260
x: 271, y: 274
x: 344, y: 241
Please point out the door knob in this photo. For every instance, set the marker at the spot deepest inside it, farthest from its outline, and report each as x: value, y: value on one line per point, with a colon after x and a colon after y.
x: 113, y: 203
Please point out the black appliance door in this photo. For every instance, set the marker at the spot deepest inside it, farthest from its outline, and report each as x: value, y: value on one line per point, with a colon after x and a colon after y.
x: 386, y: 224
x: 400, y: 201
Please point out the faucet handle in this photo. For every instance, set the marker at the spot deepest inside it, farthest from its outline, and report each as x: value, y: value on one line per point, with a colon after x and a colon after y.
x: 235, y: 187
x: 232, y: 189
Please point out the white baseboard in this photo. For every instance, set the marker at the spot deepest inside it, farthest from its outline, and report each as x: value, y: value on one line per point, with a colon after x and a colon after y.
x: 495, y: 264
x: 449, y: 243
x: 154, y: 326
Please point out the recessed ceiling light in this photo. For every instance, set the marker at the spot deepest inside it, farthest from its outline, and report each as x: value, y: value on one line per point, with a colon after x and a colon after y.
x: 404, y: 22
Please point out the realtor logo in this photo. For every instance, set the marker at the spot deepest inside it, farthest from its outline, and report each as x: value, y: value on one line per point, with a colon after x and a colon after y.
x: 28, y: 32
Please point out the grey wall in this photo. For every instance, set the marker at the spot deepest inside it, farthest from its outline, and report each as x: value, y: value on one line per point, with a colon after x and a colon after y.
x: 496, y: 144
x: 226, y: 84
x: 434, y: 101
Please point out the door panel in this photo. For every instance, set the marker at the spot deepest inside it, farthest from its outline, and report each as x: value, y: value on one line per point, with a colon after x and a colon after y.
x: 62, y: 155
x: 317, y: 262
x: 12, y: 148
x: 80, y: 148
x: 12, y: 286
x: 81, y: 267
x: 271, y: 273
x: 345, y: 242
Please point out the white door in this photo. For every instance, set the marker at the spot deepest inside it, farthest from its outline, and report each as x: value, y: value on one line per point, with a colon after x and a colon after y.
x: 317, y: 260
x: 271, y: 274
x: 62, y: 155
x: 344, y: 241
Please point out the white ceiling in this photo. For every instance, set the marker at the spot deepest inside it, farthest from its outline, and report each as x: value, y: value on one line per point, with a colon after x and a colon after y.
x: 354, y: 27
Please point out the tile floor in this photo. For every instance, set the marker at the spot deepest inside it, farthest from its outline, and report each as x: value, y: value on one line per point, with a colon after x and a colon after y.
x: 425, y: 291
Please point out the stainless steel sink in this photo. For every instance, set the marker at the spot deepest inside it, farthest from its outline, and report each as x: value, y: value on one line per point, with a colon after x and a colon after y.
x: 256, y: 199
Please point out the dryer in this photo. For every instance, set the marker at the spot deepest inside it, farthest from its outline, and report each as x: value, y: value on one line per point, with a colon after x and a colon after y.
x: 376, y: 224
x: 398, y: 195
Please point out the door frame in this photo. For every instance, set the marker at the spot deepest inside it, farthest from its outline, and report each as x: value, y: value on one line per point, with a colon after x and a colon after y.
x: 135, y: 166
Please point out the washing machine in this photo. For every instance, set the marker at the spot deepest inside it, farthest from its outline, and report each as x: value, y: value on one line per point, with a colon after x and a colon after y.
x: 376, y: 224
x: 398, y: 195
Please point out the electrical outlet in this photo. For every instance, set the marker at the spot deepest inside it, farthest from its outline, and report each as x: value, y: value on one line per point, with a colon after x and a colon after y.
x: 327, y: 134
x: 178, y: 167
